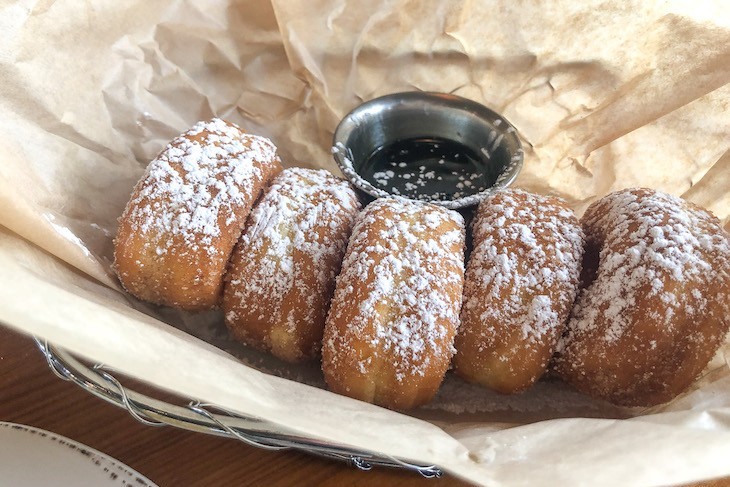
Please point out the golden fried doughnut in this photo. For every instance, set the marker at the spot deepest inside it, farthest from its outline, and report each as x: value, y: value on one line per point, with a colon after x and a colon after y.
x: 520, y: 284
x: 656, y: 305
x: 282, y: 273
x: 389, y: 335
x: 187, y: 212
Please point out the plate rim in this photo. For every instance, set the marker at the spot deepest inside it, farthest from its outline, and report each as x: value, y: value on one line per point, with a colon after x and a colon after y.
x: 135, y: 477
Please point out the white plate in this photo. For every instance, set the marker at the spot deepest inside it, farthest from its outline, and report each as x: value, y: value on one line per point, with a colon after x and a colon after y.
x: 31, y: 457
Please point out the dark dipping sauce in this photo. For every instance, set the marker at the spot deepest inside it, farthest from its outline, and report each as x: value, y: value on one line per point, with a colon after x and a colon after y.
x: 429, y: 169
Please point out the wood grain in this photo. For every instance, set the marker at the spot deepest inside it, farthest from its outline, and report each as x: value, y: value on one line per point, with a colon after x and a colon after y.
x: 30, y: 394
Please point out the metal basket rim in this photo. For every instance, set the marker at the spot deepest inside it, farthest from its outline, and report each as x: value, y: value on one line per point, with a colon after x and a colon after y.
x: 208, y: 418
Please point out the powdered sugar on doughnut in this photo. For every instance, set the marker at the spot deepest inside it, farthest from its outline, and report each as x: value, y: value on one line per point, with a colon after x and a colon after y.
x: 196, y: 184
x: 525, y: 244
x: 405, y: 313
x: 288, y: 220
x: 654, y: 245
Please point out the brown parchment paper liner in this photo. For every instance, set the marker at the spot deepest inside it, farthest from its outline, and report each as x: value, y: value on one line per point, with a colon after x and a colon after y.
x: 605, y: 95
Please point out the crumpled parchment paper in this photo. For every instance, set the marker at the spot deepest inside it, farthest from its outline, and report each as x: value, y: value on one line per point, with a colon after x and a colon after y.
x: 605, y: 95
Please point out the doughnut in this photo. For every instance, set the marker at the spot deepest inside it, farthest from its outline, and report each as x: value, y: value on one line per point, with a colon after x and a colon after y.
x: 655, y: 305
x: 520, y: 284
x: 282, y: 273
x: 186, y: 213
x: 388, y: 338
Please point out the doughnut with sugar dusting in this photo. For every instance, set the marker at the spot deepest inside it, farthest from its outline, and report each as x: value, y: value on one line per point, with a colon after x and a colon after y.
x: 656, y: 302
x: 520, y: 284
x: 282, y: 272
x: 186, y: 213
x: 389, y: 334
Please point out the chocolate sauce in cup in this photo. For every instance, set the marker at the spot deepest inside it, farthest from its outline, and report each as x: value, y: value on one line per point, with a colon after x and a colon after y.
x: 427, y: 146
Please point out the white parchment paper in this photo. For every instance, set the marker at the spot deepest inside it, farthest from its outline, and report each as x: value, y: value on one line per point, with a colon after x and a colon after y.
x: 605, y: 95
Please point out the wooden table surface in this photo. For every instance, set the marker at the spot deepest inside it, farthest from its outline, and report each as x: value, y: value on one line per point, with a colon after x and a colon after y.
x: 31, y: 394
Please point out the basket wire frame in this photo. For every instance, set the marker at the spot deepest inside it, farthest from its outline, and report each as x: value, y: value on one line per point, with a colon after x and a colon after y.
x: 209, y: 418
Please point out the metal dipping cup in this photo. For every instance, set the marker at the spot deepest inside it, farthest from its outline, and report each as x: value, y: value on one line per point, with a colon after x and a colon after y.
x: 492, y: 153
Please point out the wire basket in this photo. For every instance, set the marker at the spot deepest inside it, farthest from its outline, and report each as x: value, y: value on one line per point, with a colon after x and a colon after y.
x: 209, y: 418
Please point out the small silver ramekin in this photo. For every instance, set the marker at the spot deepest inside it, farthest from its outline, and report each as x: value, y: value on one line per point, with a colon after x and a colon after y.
x: 378, y: 123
